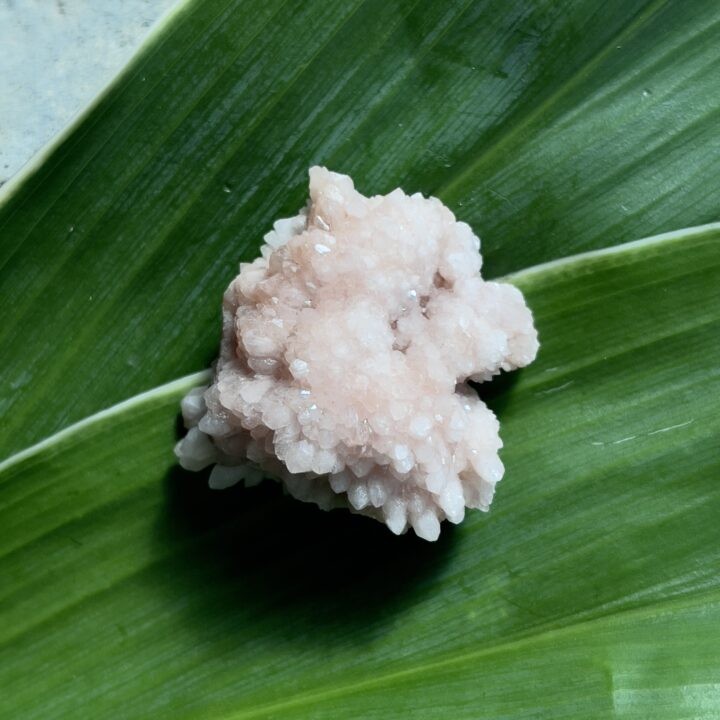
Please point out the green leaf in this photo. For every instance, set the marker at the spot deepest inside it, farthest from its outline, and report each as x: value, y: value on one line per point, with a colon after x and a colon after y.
x: 591, y: 589
x: 552, y: 127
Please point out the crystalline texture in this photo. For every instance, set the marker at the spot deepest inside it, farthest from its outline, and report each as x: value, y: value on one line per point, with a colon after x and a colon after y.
x: 345, y: 354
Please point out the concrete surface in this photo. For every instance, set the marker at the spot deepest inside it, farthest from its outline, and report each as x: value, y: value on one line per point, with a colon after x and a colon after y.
x: 55, y: 57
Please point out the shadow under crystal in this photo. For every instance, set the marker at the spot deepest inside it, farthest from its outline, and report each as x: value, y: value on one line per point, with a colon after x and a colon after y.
x: 299, y: 572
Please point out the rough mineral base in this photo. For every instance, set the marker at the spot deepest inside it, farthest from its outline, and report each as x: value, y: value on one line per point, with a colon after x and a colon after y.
x: 345, y: 353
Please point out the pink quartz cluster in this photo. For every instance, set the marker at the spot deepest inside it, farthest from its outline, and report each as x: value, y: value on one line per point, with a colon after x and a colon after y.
x: 345, y: 354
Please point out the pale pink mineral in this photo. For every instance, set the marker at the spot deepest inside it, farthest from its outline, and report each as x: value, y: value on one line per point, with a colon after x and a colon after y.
x: 345, y: 354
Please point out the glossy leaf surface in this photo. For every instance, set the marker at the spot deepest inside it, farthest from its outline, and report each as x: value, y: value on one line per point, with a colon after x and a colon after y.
x: 589, y: 590
x: 552, y: 127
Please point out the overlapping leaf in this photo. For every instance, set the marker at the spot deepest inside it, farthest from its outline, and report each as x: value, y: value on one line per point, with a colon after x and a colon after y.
x: 591, y: 588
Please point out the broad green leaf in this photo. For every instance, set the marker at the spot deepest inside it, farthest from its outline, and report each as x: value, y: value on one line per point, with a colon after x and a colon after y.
x: 551, y: 126
x: 591, y: 589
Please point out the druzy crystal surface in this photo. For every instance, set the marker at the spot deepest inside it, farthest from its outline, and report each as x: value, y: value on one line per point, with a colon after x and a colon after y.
x: 346, y: 351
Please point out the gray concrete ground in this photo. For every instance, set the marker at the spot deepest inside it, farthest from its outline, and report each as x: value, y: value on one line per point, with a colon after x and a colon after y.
x: 55, y: 57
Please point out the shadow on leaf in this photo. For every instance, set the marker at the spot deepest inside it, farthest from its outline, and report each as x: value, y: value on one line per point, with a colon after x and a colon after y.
x: 258, y: 562
x: 497, y: 393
